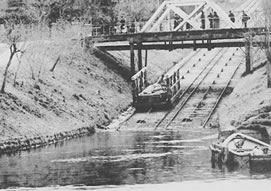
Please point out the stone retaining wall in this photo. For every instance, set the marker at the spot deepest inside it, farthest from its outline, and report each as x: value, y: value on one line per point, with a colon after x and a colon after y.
x: 22, y: 144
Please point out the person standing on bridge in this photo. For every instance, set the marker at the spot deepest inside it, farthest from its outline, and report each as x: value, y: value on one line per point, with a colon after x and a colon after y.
x: 245, y: 18
x: 232, y: 17
x: 122, y: 25
x: 216, y: 20
x: 211, y: 20
x: 132, y: 28
x: 202, y: 19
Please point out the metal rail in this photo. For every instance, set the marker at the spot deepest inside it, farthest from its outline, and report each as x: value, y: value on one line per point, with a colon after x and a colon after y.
x: 249, y: 7
x: 194, y: 90
x: 220, y: 97
x: 187, y: 89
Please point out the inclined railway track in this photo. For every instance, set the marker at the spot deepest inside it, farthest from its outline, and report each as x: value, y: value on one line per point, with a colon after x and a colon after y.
x: 205, y: 103
x: 198, y: 102
x: 199, y: 108
x: 188, y: 92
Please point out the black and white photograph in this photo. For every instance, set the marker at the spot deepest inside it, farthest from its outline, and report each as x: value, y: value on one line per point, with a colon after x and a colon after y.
x: 135, y: 95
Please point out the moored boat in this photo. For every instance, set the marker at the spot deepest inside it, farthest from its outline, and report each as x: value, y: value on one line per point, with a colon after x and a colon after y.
x: 239, y: 148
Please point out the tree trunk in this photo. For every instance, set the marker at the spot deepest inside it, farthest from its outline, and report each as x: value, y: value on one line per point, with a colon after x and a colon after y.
x: 12, y: 53
x: 57, y: 60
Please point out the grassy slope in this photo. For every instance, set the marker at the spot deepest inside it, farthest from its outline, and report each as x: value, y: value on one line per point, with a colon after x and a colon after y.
x: 77, y: 94
x: 249, y: 103
x: 83, y: 93
x: 88, y: 91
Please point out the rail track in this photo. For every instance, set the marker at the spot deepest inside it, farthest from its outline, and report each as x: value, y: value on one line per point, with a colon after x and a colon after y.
x: 189, y: 91
x: 199, y: 99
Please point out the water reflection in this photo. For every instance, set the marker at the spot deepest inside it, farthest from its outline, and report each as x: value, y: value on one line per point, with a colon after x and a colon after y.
x: 116, y: 158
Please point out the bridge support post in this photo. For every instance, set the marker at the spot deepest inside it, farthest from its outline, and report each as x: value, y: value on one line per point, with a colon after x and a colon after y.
x: 248, y: 58
x: 132, y: 58
x: 146, y: 57
x: 139, y: 51
x: 268, y: 68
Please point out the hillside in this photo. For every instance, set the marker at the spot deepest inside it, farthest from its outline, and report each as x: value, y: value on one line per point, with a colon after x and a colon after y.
x: 82, y: 91
x: 249, y: 104
x: 77, y: 94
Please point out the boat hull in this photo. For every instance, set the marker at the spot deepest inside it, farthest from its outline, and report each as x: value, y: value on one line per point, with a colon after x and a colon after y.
x: 242, y: 150
x: 228, y: 158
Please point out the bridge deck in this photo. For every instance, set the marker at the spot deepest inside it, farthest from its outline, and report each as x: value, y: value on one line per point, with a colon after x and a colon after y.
x: 179, y: 39
x: 178, y: 45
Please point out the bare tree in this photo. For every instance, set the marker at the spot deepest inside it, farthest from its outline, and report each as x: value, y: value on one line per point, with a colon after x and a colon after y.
x: 12, y: 38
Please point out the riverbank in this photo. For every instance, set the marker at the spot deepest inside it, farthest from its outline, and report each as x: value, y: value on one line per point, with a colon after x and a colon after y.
x: 250, y: 102
x: 44, y: 104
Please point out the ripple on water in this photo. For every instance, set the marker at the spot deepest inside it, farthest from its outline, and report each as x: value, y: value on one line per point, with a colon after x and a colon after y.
x: 117, y: 158
x: 176, y: 141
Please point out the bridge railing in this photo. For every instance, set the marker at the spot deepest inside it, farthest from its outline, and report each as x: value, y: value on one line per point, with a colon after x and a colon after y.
x: 173, y: 82
x: 165, y: 26
x: 128, y: 28
x: 139, y: 82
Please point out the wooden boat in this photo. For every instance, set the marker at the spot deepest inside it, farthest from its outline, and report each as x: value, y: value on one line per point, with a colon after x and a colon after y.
x: 154, y: 95
x: 239, y: 148
x: 256, y: 131
x: 260, y: 162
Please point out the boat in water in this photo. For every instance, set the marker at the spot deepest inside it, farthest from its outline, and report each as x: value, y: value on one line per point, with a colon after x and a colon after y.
x: 240, y: 148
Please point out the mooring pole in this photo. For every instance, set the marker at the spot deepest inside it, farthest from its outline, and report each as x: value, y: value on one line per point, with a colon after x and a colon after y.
x: 139, y: 51
x: 132, y: 58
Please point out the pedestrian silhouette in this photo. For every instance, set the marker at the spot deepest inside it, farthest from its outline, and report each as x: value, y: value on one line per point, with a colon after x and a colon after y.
x: 122, y: 25
x: 202, y: 19
x: 245, y: 18
x: 216, y: 20
x: 231, y: 16
x: 211, y: 18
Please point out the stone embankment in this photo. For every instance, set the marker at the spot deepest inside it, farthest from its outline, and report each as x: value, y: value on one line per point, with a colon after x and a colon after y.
x: 22, y: 144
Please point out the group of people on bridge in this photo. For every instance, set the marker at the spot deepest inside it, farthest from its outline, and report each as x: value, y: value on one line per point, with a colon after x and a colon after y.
x: 214, y: 19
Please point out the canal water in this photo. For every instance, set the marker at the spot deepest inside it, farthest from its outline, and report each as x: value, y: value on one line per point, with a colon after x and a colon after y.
x: 121, y: 158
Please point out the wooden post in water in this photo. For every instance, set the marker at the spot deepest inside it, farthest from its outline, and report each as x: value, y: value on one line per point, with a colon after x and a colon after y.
x: 139, y: 51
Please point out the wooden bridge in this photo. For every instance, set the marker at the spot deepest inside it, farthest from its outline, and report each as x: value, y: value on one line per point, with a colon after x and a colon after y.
x: 167, y: 29
x: 161, y: 33
x: 194, y: 39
